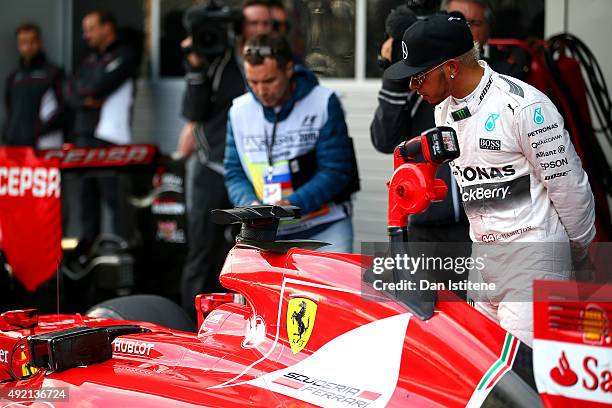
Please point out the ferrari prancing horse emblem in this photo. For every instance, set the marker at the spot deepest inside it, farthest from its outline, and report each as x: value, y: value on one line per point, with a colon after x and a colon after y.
x: 301, y: 314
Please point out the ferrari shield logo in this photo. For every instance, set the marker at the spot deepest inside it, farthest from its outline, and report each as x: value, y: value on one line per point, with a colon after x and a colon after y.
x: 301, y: 314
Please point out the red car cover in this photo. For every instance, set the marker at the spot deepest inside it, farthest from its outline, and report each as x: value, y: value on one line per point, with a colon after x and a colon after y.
x: 30, y: 215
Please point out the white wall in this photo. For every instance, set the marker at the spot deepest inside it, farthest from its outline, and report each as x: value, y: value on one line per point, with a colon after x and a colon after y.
x: 589, y: 20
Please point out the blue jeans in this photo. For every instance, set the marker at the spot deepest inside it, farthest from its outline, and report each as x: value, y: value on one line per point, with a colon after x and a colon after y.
x: 339, y: 234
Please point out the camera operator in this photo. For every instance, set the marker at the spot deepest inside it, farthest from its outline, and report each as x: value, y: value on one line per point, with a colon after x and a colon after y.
x: 214, y: 78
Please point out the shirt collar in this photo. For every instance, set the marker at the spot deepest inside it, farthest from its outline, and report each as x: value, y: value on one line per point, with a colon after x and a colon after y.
x: 465, y: 107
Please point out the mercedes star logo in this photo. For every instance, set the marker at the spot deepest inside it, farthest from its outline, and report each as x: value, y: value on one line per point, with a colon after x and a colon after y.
x: 404, y: 50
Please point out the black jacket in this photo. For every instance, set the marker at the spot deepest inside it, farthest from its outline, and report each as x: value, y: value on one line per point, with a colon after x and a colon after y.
x: 207, y: 99
x: 402, y: 115
x: 98, y: 76
x: 27, y: 90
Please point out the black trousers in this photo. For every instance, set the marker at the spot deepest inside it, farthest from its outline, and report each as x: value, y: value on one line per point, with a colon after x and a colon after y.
x: 207, y: 243
x: 102, y: 187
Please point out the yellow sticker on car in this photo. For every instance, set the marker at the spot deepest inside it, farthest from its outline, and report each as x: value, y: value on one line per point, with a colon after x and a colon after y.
x: 301, y: 313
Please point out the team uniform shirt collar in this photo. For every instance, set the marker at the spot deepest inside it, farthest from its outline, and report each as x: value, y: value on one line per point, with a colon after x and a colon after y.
x: 465, y: 107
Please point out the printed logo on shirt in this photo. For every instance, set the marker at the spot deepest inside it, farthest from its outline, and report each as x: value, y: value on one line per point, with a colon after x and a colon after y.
x: 538, y: 118
x: 543, y: 129
x: 309, y: 120
x: 490, y: 123
x: 539, y: 143
x: 486, y: 89
x: 460, y: 114
x: 474, y: 195
x: 485, y: 173
x: 490, y: 144
x: 547, y: 153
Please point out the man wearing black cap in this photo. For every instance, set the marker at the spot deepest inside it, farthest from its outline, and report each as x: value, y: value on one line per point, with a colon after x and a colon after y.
x: 519, y: 175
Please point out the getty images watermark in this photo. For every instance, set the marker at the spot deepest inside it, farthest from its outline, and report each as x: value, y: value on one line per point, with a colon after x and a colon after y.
x: 478, y: 271
x: 430, y: 269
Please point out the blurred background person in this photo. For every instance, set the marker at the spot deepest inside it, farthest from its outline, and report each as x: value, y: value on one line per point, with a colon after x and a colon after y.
x: 33, y: 95
x: 214, y: 78
x: 480, y: 18
x: 288, y: 144
x: 280, y: 20
x: 101, y: 92
x: 257, y: 19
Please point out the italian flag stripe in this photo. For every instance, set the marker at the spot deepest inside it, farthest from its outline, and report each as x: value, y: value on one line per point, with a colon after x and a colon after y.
x: 507, y: 354
x: 508, y: 364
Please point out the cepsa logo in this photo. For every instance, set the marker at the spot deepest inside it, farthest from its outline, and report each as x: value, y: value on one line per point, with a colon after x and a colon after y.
x: 40, y: 182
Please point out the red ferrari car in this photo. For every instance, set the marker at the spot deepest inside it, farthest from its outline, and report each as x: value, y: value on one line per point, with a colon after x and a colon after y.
x: 303, y: 329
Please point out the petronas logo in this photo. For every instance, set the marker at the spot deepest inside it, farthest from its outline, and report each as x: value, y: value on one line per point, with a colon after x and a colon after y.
x: 538, y: 118
x: 490, y: 123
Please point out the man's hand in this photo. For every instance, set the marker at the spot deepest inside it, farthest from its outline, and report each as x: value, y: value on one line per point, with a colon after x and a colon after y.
x: 186, y: 143
x: 194, y: 59
x: 283, y: 202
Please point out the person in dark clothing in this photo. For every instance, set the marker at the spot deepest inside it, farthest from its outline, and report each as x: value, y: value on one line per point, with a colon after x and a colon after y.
x: 101, y: 93
x: 479, y: 16
x: 33, y: 96
x: 443, y: 229
x: 213, y: 81
x: 402, y: 115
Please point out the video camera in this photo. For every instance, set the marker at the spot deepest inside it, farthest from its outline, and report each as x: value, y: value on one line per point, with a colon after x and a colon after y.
x: 212, y: 28
x: 423, y: 7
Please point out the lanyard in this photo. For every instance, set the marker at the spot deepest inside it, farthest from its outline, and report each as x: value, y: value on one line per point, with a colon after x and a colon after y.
x: 270, y: 146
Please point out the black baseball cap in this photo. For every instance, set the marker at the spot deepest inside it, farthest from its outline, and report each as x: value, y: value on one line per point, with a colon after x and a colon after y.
x: 430, y: 42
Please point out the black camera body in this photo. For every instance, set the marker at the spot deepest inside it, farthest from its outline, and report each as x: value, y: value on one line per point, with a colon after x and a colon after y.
x: 212, y: 27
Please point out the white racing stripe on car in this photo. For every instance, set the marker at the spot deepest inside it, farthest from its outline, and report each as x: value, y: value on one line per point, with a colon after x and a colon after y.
x: 359, y: 368
x: 495, y: 372
x: 231, y: 382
